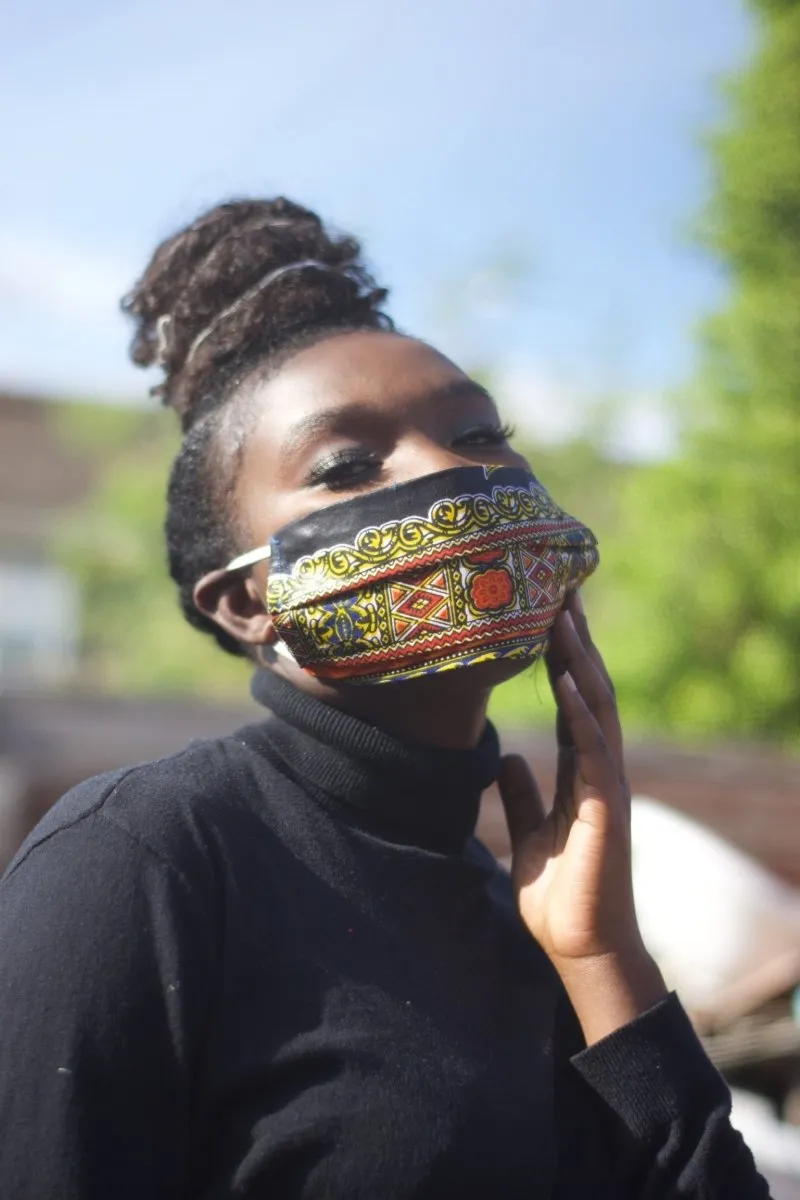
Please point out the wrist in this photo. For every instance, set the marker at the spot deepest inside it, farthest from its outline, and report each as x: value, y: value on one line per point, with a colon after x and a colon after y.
x: 610, y: 990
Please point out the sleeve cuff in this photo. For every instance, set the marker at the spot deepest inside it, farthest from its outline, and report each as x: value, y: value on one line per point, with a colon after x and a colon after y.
x: 653, y: 1071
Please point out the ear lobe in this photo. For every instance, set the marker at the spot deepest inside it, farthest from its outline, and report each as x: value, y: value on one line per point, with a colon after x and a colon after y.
x: 235, y: 602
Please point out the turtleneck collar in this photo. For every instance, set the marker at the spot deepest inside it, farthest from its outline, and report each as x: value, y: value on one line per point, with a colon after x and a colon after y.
x: 430, y: 796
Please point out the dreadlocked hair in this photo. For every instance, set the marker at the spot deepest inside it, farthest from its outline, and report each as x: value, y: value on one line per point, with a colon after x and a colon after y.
x: 201, y: 315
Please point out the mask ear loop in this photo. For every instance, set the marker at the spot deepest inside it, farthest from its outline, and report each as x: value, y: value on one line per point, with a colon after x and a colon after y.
x: 280, y: 648
x: 248, y: 560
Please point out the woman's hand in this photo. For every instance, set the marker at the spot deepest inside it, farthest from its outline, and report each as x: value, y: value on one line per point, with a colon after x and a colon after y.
x: 571, y: 867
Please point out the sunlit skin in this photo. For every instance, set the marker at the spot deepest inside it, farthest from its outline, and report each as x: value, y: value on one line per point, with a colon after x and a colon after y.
x: 356, y: 412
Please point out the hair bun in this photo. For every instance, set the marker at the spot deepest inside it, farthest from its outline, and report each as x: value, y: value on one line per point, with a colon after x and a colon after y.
x: 203, y: 304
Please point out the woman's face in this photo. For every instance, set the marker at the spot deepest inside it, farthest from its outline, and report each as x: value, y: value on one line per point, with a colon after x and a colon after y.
x: 356, y: 412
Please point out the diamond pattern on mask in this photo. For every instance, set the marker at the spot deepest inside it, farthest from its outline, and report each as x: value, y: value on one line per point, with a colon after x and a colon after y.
x: 539, y: 568
x: 420, y: 606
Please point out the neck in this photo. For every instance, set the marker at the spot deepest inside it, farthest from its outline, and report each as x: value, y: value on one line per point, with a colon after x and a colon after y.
x: 422, y: 795
x: 437, y: 711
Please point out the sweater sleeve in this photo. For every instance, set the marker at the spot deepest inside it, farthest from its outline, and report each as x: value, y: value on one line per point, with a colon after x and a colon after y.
x: 104, y: 988
x: 646, y: 1112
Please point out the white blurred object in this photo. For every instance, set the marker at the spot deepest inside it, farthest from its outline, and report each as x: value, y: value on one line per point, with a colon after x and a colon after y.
x: 774, y: 1145
x: 724, y: 931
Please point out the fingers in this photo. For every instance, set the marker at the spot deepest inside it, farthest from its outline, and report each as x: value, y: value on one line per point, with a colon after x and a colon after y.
x: 574, y: 605
x: 556, y: 665
x: 595, y: 759
x: 564, y: 796
x: 521, y: 798
x: 568, y: 653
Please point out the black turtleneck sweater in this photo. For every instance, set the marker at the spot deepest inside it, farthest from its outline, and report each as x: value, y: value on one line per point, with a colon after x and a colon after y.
x: 279, y: 965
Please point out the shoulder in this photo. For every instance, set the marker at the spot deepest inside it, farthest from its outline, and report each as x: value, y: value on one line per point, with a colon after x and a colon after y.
x: 173, y: 808
x: 113, y: 913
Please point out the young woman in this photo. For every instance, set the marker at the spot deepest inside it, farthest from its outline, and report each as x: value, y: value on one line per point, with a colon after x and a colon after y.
x: 279, y: 964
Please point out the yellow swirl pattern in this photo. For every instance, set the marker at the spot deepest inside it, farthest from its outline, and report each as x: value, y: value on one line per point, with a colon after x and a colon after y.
x: 448, y: 523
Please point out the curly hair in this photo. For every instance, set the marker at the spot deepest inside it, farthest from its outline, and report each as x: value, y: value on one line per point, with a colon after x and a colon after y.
x: 202, y: 314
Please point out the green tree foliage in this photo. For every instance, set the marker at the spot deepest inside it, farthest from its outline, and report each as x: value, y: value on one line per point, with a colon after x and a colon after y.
x: 704, y: 629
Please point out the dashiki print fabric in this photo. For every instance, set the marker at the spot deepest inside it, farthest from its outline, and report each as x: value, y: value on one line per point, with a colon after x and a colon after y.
x: 465, y: 566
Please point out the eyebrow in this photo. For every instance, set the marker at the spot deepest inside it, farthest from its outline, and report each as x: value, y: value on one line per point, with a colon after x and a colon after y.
x: 317, y: 423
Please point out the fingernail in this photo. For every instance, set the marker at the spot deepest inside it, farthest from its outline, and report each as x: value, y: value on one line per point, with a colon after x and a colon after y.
x: 569, y: 682
x: 577, y: 602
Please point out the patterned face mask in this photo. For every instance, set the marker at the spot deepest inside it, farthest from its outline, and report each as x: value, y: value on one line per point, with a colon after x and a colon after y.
x: 466, y: 566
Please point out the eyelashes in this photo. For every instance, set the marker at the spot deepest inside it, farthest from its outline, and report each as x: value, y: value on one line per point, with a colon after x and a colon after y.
x: 343, y: 469
x: 353, y: 466
x: 486, y: 435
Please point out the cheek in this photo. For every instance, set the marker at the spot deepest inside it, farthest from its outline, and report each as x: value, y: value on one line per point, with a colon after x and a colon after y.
x: 261, y: 505
x: 515, y: 459
x: 262, y: 510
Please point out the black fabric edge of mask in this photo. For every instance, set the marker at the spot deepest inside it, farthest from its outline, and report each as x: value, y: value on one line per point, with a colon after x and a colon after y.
x: 343, y: 521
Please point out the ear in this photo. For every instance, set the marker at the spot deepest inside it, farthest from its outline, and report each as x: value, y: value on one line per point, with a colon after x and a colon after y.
x: 235, y: 602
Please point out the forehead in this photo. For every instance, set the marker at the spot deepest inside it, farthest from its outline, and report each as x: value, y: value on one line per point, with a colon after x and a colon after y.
x: 378, y: 387
x: 368, y: 370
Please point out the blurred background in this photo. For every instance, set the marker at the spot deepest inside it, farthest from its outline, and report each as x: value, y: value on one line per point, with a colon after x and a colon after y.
x: 593, y: 205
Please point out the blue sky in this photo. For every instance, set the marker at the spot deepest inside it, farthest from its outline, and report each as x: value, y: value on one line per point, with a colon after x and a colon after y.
x: 450, y: 134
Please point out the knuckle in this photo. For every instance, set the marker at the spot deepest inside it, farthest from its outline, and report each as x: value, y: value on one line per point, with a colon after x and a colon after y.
x: 599, y: 743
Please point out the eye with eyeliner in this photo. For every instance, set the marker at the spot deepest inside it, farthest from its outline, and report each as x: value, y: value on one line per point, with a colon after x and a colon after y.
x: 353, y: 467
x: 485, y: 435
x: 344, y: 469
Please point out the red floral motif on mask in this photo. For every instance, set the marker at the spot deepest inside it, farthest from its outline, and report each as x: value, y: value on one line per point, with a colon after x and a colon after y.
x: 492, y: 589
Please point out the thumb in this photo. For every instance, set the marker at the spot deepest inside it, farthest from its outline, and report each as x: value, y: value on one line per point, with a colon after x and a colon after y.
x: 521, y: 799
